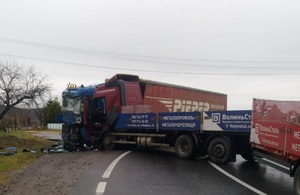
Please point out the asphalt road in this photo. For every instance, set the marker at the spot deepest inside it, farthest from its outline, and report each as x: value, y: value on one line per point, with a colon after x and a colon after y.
x: 161, y: 172
x: 158, y: 172
x: 261, y: 176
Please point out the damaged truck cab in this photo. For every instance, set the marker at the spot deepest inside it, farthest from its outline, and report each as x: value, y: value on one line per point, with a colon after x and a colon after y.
x: 72, y: 114
x: 108, y: 101
x: 129, y: 110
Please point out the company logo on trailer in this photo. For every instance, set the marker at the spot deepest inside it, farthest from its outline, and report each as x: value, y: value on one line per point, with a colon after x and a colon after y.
x: 259, y: 128
x: 216, y: 117
x: 178, y: 105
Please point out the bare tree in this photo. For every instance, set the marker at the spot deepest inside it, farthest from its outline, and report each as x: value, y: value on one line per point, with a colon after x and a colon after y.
x: 20, y: 84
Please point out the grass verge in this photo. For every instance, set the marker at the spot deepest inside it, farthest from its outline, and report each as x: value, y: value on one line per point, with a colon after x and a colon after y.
x: 21, y: 140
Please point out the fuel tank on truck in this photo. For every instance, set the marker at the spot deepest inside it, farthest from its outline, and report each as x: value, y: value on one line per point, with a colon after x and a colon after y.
x: 164, y: 97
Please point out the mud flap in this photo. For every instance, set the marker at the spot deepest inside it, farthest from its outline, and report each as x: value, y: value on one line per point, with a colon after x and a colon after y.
x: 232, y: 157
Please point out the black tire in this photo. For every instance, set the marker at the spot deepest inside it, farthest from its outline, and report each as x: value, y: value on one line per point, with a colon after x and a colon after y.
x: 219, y: 150
x: 185, y: 147
x: 107, y: 141
x: 297, y: 182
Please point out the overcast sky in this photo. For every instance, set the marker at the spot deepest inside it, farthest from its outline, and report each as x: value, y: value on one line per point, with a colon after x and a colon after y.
x: 243, y: 48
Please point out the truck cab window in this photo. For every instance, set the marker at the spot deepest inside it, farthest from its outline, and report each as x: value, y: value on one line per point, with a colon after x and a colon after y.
x: 100, y: 107
x: 71, y: 104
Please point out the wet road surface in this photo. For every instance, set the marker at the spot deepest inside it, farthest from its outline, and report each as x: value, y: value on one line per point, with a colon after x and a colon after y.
x: 159, y: 172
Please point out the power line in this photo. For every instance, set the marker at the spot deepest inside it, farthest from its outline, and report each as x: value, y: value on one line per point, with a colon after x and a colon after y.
x: 153, y: 71
x: 156, y: 59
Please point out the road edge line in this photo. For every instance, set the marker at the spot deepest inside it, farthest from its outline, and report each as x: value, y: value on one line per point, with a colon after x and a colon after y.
x: 236, y: 179
x: 109, y: 169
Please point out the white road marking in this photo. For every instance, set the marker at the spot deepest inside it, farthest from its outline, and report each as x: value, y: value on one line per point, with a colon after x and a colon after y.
x: 108, y: 171
x: 279, y: 165
x: 102, y: 185
x: 100, y: 188
x: 236, y: 179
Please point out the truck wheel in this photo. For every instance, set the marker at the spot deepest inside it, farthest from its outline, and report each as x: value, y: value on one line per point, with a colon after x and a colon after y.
x: 107, y: 141
x: 219, y: 150
x: 185, y: 147
x: 297, y: 181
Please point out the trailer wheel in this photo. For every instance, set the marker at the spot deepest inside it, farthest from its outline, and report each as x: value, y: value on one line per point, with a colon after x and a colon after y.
x: 107, y: 141
x: 297, y: 181
x: 219, y: 150
x: 185, y: 147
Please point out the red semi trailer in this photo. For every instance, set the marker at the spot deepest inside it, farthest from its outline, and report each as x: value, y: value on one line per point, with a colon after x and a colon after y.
x: 173, y: 98
x: 128, y: 91
x: 129, y: 110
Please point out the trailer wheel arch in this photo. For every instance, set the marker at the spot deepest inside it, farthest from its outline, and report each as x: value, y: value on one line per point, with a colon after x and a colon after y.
x: 197, y: 143
x: 219, y: 149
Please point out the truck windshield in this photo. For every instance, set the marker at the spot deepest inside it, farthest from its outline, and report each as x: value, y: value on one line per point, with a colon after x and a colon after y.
x: 71, y: 104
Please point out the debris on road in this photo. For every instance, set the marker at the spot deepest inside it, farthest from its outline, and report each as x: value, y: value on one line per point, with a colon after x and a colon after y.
x: 55, y: 148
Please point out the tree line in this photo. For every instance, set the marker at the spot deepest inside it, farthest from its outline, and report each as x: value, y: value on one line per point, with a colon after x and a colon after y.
x: 25, y: 97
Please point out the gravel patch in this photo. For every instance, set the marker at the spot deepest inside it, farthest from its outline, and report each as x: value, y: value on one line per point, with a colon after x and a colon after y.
x: 51, y: 174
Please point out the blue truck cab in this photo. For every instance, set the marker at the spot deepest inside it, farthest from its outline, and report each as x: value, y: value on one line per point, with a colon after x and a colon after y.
x: 73, y: 97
